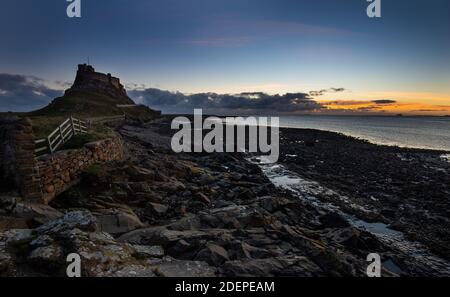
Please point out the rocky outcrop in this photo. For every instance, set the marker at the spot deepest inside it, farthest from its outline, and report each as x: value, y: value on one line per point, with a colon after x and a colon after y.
x: 87, y: 79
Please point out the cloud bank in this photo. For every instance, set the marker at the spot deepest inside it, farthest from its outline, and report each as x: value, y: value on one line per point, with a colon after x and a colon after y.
x: 250, y: 102
x: 24, y: 93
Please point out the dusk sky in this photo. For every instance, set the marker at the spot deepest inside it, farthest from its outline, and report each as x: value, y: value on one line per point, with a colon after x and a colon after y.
x: 399, y: 63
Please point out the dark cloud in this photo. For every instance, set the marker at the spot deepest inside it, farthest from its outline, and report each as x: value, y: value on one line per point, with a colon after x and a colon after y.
x: 384, y: 101
x: 24, y: 93
x: 323, y: 91
x: 250, y: 102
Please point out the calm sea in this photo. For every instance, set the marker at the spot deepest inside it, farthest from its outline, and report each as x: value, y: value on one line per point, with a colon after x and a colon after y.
x: 417, y: 132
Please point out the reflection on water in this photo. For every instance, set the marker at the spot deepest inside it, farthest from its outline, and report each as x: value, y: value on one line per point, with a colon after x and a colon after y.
x: 311, y: 191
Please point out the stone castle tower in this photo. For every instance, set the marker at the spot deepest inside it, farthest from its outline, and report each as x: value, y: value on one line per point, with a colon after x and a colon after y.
x: 87, y: 79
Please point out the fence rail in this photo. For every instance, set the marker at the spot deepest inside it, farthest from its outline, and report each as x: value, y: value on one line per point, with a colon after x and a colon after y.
x: 61, y: 135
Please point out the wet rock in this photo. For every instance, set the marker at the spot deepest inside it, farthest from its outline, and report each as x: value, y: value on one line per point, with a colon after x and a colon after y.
x: 185, y: 269
x: 333, y: 220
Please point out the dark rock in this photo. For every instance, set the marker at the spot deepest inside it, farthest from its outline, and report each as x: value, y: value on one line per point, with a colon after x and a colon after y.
x: 272, y: 204
x: 213, y: 254
x: 7, y: 223
x: 118, y: 223
x: 155, y: 209
x: 283, y: 266
x: 202, y: 198
x: 181, y: 250
x: 185, y: 269
x: 37, y: 214
x: 47, y: 256
x: 333, y: 220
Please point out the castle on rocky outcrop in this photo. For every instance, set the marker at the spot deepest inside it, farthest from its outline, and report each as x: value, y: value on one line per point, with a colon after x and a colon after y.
x: 87, y: 79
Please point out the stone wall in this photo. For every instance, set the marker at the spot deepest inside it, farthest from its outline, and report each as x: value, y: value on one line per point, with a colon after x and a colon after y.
x: 19, y: 165
x: 41, y: 179
x: 61, y: 170
x: 7, y: 156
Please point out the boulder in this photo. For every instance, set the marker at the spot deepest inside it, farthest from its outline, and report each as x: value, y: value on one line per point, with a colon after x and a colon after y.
x: 213, y: 254
x: 119, y: 223
x: 182, y: 250
x: 35, y: 213
x: 155, y: 209
x: 82, y: 220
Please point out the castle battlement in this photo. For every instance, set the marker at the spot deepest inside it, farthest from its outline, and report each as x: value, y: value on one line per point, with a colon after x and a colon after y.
x: 87, y: 72
x: 88, y: 78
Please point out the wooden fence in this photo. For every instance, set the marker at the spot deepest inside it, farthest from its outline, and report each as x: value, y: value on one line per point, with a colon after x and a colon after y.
x: 61, y: 135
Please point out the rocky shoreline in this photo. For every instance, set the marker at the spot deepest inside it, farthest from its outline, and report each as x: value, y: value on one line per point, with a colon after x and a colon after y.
x: 158, y: 213
x: 407, y: 189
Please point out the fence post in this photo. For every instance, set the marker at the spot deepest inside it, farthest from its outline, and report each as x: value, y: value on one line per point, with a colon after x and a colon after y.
x: 61, y: 134
x: 73, y: 125
x: 50, y: 144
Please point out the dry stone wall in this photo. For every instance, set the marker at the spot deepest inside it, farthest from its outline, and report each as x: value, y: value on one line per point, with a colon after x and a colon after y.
x: 41, y: 179
x: 61, y: 170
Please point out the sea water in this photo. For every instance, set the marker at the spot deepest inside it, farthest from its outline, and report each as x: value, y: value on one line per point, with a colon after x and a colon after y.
x: 414, y: 132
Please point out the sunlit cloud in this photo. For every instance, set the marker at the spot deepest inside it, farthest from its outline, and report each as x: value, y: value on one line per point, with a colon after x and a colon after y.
x: 386, y: 106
